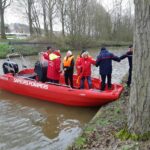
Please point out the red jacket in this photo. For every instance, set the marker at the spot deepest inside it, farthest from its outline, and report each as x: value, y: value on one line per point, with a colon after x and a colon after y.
x: 85, y: 64
x: 54, y: 62
x: 78, y: 65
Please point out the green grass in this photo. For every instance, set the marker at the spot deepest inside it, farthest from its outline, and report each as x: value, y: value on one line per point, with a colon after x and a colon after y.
x: 60, y: 43
x: 4, y: 50
x: 27, y: 50
x: 24, y: 50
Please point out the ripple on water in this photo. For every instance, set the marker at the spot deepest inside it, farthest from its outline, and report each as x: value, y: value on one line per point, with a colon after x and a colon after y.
x: 22, y: 128
x: 25, y: 127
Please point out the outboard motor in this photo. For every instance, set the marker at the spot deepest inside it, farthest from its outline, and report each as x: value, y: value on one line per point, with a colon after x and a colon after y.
x: 10, y: 67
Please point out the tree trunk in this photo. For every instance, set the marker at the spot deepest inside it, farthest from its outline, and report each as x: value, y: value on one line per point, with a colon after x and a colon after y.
x: 3, y: 35
x: 139, y: 103
x: 44, y: 17
x: 30, y: 17
x: 63, y: 24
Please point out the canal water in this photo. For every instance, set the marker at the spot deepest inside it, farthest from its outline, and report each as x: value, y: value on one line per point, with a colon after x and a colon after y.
x: 30, y: 124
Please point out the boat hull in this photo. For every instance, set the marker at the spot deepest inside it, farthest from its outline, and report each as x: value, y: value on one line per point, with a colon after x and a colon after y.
x: 59, y: 94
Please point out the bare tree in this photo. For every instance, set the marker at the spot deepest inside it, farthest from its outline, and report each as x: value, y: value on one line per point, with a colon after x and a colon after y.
x: 29, y: 12
x: 84, y: 23
x: 32, y: 11
x: 122, y: 20
x: 51, y: 8
x: 44, y: 14
x: 3, y: 5
x: 139, y: 103
x: 62, y: 6
x: 25, y: 7
x: 36, y: 11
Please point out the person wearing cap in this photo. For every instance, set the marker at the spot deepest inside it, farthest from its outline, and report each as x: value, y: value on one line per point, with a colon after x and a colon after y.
x: 85, y: 64
x: 45, y: 55
x: 104, y: 61
x: 53, y: 71
x: 47, y: 52
x: 68, y: 67
x: 49, y: 49
x: 129, y: 55
x: 42, y: 64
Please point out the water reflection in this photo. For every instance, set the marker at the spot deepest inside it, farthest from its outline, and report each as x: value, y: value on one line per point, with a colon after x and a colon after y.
x: 31, y: 123
x: 27, y: 123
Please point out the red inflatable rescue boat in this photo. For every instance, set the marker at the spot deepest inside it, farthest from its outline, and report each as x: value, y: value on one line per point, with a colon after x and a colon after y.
x: 24, y: 83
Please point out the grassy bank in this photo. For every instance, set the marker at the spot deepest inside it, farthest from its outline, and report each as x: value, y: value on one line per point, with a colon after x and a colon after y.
x: 33, y: 47
x: 24, y: 50
x: 4, y: 50
x: 101, y: 133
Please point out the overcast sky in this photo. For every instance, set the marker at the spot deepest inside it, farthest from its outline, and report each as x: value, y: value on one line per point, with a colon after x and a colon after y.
x: 13, y: 16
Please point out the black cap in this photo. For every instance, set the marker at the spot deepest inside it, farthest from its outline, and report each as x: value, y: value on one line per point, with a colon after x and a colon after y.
x: 103, y: 48
x: 48, y: 47
x: 83, y: 51
x: 130, y: 46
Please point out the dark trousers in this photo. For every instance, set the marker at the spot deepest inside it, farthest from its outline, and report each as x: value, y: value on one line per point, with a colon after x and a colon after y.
x: 103, y: 77
x: 88, y: 80
x: 53, y: 81
x: 129, y: 77
x: 69, y: 78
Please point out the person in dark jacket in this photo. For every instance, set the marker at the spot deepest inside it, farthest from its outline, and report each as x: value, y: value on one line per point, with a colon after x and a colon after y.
x: 68, y: 67
x: 128, y: 55
x: 104, y: 61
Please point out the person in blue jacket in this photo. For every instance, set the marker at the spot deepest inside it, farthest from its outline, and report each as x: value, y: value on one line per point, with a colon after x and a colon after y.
x: 104, y: 61
x: 129, y: 55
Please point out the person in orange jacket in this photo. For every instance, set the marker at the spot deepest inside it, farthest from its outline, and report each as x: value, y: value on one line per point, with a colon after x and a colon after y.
x: 85, y: 64
x: 68, y: 67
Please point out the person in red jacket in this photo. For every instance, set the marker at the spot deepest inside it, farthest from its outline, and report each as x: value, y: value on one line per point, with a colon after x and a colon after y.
x: 54, y: 61
x: 78, y: 67
x: 85, y: 64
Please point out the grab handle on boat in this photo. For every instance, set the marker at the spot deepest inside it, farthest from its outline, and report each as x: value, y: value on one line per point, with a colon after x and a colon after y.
x: 27, y: 78
x: 57, y: 84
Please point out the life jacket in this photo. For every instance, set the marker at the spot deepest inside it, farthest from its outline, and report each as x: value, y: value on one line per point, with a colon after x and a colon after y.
x: 53, y: 56
x: 67, y: 61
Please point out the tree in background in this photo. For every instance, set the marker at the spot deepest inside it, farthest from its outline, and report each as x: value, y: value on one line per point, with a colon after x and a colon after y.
x: 62, y: 9
x: 84, y: 23
x: 3, y: 5
x: 122, y: 20
x: 51, y: 9
x: 44, y: 14
x: 139, y: 103
x: 36, y: 10
x: 32, y: 11
x: 25, y: 7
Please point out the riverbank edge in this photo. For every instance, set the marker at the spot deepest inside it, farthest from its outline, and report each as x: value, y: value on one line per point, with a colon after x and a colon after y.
x: 28, y: 50
x: 100, y: 133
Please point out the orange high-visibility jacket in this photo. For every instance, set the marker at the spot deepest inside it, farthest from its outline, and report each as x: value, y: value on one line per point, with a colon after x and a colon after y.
x: 67, y: 61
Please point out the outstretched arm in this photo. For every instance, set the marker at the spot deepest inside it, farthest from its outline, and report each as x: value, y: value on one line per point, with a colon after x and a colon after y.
x: 46, y: 56
x: 123, y: 56
x: 93, y: 61
x: 116, y: 58
x: 97, y: 62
